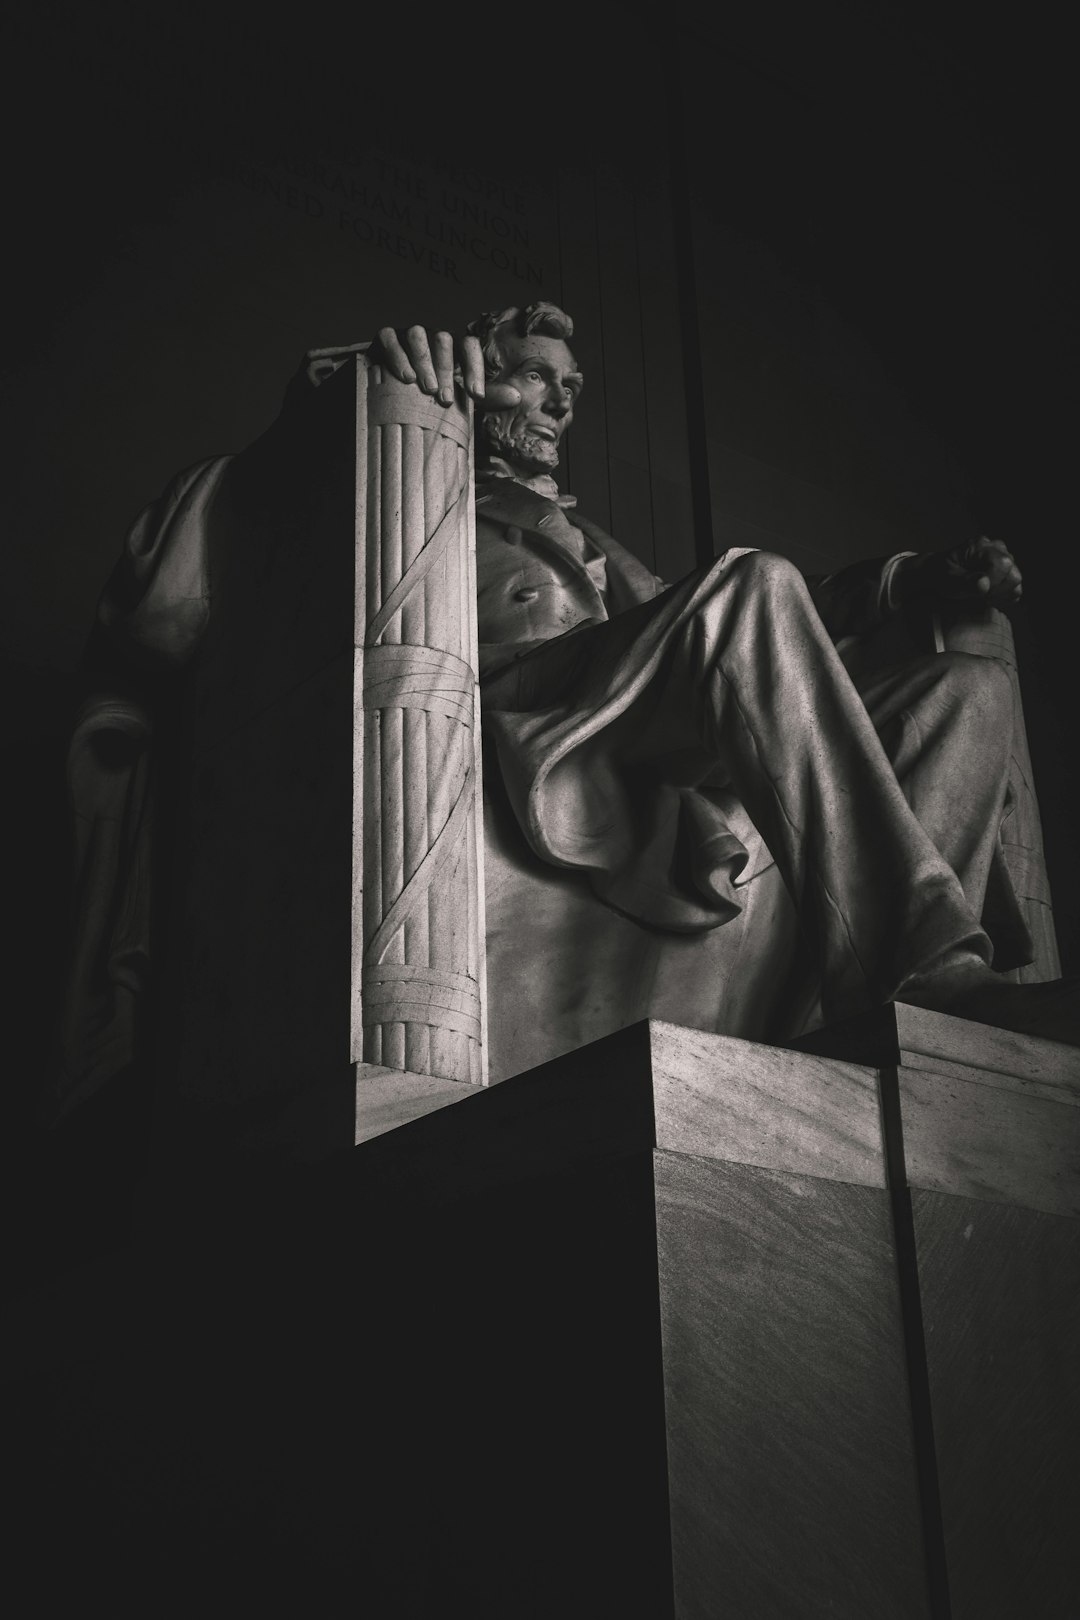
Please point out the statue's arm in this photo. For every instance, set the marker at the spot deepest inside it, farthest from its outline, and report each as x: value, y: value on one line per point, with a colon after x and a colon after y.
x: 154, y: 608
x: 864, y: 595
x: 857, y: 599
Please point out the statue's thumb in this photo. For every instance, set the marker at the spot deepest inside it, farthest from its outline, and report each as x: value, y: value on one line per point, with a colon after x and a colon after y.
x: 501, y: 396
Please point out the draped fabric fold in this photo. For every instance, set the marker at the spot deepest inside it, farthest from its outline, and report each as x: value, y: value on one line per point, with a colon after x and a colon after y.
x: 150, y: 621
x: 560, y: 718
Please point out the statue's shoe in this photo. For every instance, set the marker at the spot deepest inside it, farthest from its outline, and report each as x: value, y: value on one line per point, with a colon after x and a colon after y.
x: 1051, y: 1009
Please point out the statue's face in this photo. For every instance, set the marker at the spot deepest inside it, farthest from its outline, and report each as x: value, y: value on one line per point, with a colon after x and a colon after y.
x: 530, y: 405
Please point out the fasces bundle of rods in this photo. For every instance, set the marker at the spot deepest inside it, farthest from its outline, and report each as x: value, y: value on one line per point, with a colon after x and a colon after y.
x: 421, y: 813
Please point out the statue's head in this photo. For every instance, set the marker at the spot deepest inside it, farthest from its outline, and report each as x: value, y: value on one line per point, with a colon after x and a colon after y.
x: 533, y: 383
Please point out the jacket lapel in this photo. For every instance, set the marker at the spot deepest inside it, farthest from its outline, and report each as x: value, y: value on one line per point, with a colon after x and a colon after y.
x: 629, y: 581
x: 510, y: 504
x: 505, y: 502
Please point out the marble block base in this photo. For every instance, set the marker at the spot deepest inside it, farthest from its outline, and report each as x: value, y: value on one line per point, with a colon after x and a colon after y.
x: 387, y: 1098
x: 984, y: 1130
x: 317, y: 1122
x: 674, y: 1265
x: 665, y: 1328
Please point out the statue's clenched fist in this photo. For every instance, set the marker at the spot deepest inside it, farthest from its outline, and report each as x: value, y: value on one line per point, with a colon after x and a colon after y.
x: 434, y: 362
x: 981, y: 569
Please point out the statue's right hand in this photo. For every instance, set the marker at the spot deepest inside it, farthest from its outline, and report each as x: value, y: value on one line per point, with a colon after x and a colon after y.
x: 977, y: 570
x: 433, y: 363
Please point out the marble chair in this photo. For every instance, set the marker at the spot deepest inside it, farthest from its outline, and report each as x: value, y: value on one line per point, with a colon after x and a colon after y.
x: 337, y: 888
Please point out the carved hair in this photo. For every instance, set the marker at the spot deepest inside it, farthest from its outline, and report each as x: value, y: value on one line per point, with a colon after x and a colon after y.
x: 547, y: 319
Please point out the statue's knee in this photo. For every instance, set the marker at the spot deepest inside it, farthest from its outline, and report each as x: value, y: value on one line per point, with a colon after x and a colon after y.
x: 771, y: 574
x: 982, y: 685
x: 970, y: 672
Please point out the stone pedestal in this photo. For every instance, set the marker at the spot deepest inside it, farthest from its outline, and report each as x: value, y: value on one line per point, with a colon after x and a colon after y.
x: 675, y: 1326
x: 775, y: 1333
x: 984, y: 1134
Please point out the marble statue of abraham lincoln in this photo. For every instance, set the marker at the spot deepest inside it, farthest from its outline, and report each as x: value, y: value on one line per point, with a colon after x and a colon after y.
x: 640, y: 729
x: 625, y: 714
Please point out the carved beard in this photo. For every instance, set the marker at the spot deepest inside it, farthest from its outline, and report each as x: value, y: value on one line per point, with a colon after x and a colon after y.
x: 523, y: 450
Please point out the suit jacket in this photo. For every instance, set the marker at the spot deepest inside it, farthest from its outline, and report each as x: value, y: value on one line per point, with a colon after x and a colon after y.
x: 544, y: 574
x: 543, y: 570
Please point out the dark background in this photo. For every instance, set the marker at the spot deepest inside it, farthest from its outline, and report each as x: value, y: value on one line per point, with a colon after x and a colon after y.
x: 862, y: 210
x: 878, y: 200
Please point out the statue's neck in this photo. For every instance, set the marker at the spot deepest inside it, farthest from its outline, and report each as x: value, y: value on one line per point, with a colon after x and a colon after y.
x: 491, y: 467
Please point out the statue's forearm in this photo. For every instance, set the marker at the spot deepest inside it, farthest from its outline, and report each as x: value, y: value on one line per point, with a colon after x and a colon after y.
x: 858, y: 598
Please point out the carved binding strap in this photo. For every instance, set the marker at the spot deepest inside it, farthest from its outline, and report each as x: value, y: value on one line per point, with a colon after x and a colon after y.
x: 418, y: 957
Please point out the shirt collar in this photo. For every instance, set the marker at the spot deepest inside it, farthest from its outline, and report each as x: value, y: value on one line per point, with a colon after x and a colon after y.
x: 543, y: 484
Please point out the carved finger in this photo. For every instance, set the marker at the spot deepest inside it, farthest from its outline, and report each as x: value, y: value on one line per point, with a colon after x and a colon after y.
x: 1003, y: 577
x: 393, y: 355
x: 996, y: 552
x: 416, y: 339
x: 501, y: 396
x: 442, y: 345
x: 1009, y: 586
x: 472, y: 366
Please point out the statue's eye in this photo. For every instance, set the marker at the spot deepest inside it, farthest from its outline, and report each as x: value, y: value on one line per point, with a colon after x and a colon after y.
x: 533, y: 376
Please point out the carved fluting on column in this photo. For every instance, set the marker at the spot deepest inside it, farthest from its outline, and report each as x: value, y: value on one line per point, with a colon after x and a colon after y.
x: 418, y: 979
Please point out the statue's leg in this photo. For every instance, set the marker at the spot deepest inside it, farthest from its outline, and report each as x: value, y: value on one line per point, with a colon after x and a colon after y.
x: 775, y: 705
x: 946, y: 723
